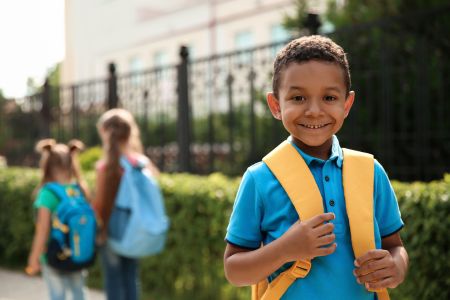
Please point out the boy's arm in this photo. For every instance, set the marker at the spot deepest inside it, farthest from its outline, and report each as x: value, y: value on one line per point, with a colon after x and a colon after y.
x: 246, y: 267
x: 383, y: 268
x: 303, y: 240
x: 39, y: 241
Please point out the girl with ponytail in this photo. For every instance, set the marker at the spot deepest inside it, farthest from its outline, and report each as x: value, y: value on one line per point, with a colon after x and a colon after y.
x: 58, y: 163
x: 120, y: 138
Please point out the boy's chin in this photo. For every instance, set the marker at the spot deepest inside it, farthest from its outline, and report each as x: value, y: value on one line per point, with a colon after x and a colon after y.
x: 313, y: 143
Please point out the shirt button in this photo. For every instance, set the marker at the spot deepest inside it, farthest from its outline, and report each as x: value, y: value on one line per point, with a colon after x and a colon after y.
x: 327, y: 178
x: 331, y: 202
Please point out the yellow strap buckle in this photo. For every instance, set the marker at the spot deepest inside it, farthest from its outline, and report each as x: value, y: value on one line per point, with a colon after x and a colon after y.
x: 300, y: 268
x: 59, y: 225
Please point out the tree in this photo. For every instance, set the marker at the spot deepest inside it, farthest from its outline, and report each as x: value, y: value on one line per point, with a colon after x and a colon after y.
x: 398, y: 55
x: 2, y: 120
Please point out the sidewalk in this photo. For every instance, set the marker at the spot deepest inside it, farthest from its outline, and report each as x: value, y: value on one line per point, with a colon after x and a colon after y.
x: 15, y: 285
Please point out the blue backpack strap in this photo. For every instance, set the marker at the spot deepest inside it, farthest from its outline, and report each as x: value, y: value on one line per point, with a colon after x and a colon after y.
x: 125, y: 163
x: 140, y: 163
x: 57, y: 189
x: 60, y: 192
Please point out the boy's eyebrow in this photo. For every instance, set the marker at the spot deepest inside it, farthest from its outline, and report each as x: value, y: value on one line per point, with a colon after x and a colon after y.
x: 296, y: 88
x: 331, y: 88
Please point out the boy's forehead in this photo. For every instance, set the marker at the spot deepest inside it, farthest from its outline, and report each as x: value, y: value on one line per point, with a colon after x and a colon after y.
x: 327, y: 72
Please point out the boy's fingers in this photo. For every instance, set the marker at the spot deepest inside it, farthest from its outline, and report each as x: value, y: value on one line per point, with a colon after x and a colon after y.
x: 326, y: 240
x: 373, y: 276
x: 370, y: 255
x: 372, y: 266
x: 324, y: 251
x: 382, y: 284
x: 320, y: 219
x: 324, y: 229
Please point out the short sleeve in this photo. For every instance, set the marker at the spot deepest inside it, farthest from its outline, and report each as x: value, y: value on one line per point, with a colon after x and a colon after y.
x: 245, y: 221
x: 387, y: 212
x: 46, y: 199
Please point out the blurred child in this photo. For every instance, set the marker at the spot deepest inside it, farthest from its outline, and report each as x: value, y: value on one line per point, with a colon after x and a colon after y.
x: 58, y: 164
x: 311, y: 96
x: 120, y: 138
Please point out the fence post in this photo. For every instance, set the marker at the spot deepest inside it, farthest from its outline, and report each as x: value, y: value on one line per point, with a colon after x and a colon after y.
x: 75, y: 122
x: 230, y: 80
x: 312, y: 22
x: 113, y: 100
x: 45, y: 110
x: 252, y: 130
x: 183, y: 124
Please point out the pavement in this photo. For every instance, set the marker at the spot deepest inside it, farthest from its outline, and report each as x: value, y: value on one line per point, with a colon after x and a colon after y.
x: 15, y: 285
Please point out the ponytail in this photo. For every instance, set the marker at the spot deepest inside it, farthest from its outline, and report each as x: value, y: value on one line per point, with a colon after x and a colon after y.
x: 113, y: 172
x: 75, y: 147
x: 44, y: 148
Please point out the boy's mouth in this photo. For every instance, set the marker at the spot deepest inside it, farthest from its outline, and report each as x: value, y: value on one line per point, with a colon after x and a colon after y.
x: 311, y: 126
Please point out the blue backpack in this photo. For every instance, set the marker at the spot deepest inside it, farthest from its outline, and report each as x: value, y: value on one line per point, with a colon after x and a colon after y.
x: 72, y: 237
x: 138, y: 224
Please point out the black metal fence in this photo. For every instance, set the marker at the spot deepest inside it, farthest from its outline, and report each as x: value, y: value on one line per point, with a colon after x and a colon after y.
x: 210, y: 114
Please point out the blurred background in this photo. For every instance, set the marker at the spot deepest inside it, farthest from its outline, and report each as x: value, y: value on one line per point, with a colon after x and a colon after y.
x: 195, y: 74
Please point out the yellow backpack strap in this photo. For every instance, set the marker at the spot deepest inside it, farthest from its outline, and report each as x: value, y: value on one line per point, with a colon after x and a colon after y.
x: 297, y: 180
x: 259, y: 289
x: 358, y: 181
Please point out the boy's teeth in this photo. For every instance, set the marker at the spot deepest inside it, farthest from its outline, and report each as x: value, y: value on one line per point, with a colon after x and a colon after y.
x: 313, y: 126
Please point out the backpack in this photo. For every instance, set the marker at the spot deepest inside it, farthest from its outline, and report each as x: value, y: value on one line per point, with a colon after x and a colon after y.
x: 138, y: 223
x: 73, y: 229
x: 357, y: 177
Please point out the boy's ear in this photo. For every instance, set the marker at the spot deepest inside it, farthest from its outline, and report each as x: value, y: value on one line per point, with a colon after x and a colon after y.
x: 274, y: 105
x: 349, y: 102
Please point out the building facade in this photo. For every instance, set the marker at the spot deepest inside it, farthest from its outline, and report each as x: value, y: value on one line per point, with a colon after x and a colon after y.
x: 137, y: 35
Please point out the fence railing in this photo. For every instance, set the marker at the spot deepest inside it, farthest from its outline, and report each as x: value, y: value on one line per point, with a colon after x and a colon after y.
x: 210, y: 114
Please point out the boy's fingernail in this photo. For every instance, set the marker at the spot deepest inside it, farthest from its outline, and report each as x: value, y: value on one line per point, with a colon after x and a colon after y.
x: 356, y: 263
x: 358, y: 281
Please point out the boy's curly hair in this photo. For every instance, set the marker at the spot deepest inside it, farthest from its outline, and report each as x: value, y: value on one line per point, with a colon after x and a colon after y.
x: 314, y: 47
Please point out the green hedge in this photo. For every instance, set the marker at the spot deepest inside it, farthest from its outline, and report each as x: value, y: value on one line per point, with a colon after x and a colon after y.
x: 199, y: 207
x: 425, y: 210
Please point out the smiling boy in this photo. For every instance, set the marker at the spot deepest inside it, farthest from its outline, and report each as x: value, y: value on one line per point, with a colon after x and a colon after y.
x: 311, y: 97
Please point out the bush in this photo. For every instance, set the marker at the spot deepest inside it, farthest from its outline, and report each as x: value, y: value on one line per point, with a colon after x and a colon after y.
x: 199, y: 208
x: 16, y: 216
x: 89, y: 157
x: 425, y: 210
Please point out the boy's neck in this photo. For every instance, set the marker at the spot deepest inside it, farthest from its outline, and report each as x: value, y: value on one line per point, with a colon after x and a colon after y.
x: 323, y: 151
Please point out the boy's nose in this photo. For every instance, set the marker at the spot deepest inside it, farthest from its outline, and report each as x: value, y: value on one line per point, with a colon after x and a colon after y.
x: 313, y: 108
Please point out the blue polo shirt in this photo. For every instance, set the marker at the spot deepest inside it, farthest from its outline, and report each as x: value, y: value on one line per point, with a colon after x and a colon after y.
x: 263, y: 212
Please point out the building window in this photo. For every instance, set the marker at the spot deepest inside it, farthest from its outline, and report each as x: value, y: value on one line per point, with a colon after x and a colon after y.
x: 278, y: 35
x: 160, y: 59
x: 135, y: 67
x: 244, y: 40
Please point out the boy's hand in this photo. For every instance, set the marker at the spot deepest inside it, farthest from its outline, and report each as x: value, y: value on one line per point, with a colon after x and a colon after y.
x: 310, y: 238
x: 377, y: 270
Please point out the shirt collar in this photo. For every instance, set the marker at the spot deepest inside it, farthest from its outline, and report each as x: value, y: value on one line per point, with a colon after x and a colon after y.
x: 336, y: 153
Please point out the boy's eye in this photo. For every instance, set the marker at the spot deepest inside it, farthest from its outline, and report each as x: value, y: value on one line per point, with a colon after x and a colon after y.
x: 330, y: 98
x: 298, y: 98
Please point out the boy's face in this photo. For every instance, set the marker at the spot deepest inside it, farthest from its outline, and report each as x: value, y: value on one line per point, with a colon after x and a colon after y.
x: 312, y: 103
